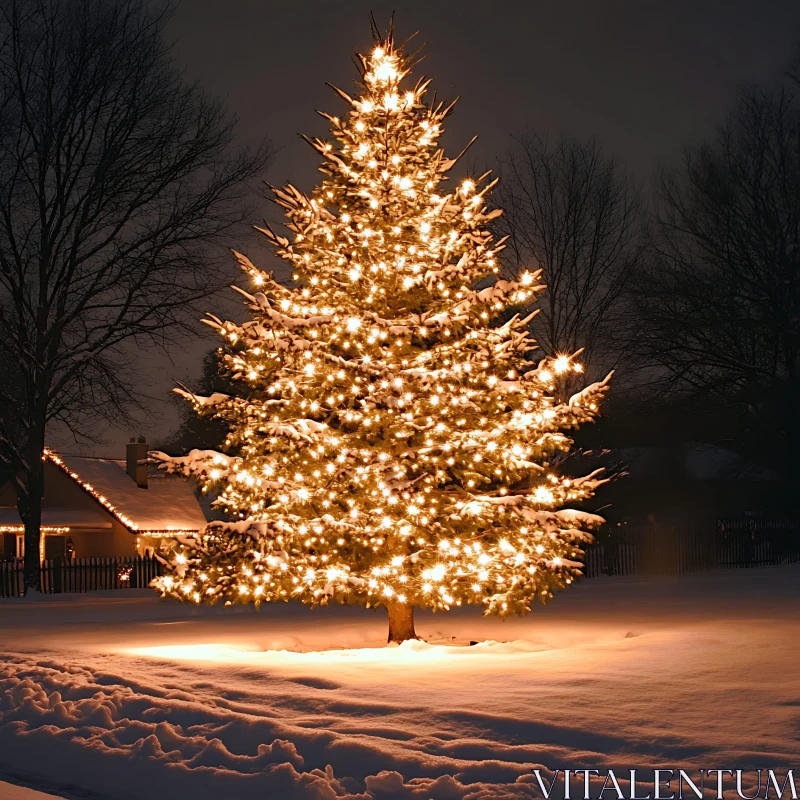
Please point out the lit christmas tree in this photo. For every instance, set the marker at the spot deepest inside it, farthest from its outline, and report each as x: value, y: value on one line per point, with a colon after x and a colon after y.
x: 392, y: 442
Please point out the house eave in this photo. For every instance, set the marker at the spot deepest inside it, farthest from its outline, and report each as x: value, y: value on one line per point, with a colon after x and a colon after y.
x: 128, y: 523
x: 166, y: 533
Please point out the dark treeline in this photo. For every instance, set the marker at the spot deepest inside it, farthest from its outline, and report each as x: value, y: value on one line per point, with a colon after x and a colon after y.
x: 693, y: 296
x: 719, y: 297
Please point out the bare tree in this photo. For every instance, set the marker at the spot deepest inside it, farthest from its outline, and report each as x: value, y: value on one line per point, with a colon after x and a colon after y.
x: 574, y: 212
x: 118, y: 184
x: 722, y: 302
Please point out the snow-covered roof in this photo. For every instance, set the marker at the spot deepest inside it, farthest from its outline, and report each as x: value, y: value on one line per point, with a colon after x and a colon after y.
x: 167, y: 504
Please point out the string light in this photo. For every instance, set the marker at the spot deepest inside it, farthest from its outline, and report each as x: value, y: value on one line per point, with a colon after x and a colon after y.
x: 50, y: 530
x: 49, y: 455
x: 391, y: 439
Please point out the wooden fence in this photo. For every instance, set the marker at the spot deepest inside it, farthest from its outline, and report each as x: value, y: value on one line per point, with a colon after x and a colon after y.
x: 673, y: 549
x: 618, y: 550
x: 58, y: 575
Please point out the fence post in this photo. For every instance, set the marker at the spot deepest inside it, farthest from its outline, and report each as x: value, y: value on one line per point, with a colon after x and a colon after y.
x: 57, y: 575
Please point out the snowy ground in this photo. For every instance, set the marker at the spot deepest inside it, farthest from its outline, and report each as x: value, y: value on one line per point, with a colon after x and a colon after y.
x: 10, y: 791
x: 125, y: 696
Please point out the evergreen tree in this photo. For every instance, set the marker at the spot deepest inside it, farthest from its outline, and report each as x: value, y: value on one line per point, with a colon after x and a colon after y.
x: 201, y: 431
x: 391, y: 440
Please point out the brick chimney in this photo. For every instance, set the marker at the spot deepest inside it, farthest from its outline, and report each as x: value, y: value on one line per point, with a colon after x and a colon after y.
x: 136, y: 458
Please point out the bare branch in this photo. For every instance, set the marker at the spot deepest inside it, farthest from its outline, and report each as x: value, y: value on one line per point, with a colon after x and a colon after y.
x: 120, y: 187
x: 574, y: 213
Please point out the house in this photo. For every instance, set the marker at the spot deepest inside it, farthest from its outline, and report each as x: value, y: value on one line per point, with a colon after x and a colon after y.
x: 98, y: 507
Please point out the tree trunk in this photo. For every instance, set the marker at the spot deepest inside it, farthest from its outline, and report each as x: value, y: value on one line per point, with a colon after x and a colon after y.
x: 30, y: 485
x: 401, y: 622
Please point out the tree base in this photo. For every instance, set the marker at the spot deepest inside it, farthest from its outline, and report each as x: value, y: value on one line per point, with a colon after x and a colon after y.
x: 401, y: 622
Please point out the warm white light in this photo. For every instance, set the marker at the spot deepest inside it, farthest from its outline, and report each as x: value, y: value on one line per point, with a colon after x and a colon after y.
x: 385, y: 72
x: 543, y: 495
x: 390, y: 436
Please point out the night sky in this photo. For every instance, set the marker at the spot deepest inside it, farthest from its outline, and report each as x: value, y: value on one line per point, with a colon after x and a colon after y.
x: 644, y: 77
